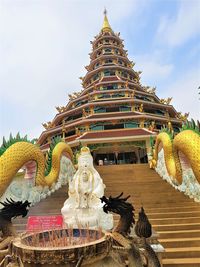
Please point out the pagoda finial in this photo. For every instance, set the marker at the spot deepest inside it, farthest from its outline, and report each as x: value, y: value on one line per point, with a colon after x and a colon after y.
x: 106, y: 26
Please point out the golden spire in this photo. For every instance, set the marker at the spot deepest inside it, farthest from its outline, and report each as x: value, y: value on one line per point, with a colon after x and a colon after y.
x: 106, y: 26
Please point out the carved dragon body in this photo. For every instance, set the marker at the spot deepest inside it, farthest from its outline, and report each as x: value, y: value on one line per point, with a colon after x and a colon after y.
x: 19, y: 152
x: 185, y: 145
x: 120, y: 234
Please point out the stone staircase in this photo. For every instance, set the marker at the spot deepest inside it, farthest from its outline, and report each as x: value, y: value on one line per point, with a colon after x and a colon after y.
x: 174, y: 217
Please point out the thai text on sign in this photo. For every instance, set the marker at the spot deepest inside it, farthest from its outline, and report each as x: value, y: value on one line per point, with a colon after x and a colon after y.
x: 37, y: 223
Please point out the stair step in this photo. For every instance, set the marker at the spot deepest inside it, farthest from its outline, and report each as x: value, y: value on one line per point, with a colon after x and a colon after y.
x: 169, y: 208
x: 175, y: 220
x: 182, y: 262
x: 192, y: 252
x: 179, y: 233
x: 180, y: 242
x: 173, y: 214
x: 176, y: 226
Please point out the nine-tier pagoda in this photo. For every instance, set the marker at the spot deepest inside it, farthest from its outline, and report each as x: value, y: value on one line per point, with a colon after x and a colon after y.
x: 114, y: 114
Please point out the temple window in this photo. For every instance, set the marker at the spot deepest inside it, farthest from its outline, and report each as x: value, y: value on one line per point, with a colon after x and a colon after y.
x: 110, y: 87
x: 112, y: 73
x: 159, y: 112
x: 108, y: 61
x: 106, y: 73
x: 131, y: 125
x: 72, y: 132
x: 107, y: 51
x: 112, y: 109
x: 74, y: 117
x: 109, y: 73
x: 103, y: 96
x: 96, y: 127
x: 144, y: 98
x: 118, y: 95
x: 120, y: 62
x: 113, y: 126
x: 125, y: 108
x: 69, y: 119
x: 79, y: 103
x: 99, y: 110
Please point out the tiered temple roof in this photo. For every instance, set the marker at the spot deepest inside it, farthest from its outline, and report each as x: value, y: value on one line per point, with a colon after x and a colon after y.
x: 113, y: 103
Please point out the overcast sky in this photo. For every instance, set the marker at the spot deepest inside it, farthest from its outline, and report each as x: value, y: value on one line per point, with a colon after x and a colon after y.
x: 44, y: 47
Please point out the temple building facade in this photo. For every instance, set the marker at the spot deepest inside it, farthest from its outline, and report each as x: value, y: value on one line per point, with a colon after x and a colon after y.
x: 114, y: 114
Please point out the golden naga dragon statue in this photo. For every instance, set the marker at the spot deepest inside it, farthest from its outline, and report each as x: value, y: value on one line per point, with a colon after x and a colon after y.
x: 180, y: 152
x: 19, y: 152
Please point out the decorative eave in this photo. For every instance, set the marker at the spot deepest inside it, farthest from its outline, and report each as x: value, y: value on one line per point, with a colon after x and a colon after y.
x: 95, y: 51
x: 59, y: 116
x: 103, y: 67
x: 110, y: 134
x: 136, y: 87
x: 101, y: 37
x: 94, y: 118
x: 107, y: 136
x: 84, y: 94
x: 112, y: 56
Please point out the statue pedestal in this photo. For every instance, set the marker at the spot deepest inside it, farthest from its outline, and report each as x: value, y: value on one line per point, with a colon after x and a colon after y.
x: 87, y: 217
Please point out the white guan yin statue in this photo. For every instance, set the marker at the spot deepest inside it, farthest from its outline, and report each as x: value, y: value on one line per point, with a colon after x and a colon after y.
x: 83, y: 206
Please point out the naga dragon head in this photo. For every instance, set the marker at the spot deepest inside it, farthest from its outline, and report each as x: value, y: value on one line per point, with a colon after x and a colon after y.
x: 117, y: 205
x: 120, y: 206
x: 12, y: 209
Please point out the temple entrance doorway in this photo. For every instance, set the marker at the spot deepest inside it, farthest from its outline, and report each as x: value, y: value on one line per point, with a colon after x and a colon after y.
x: 139, y: 155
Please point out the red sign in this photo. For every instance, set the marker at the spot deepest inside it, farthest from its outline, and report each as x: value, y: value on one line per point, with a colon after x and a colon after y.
x: 39, y: 223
